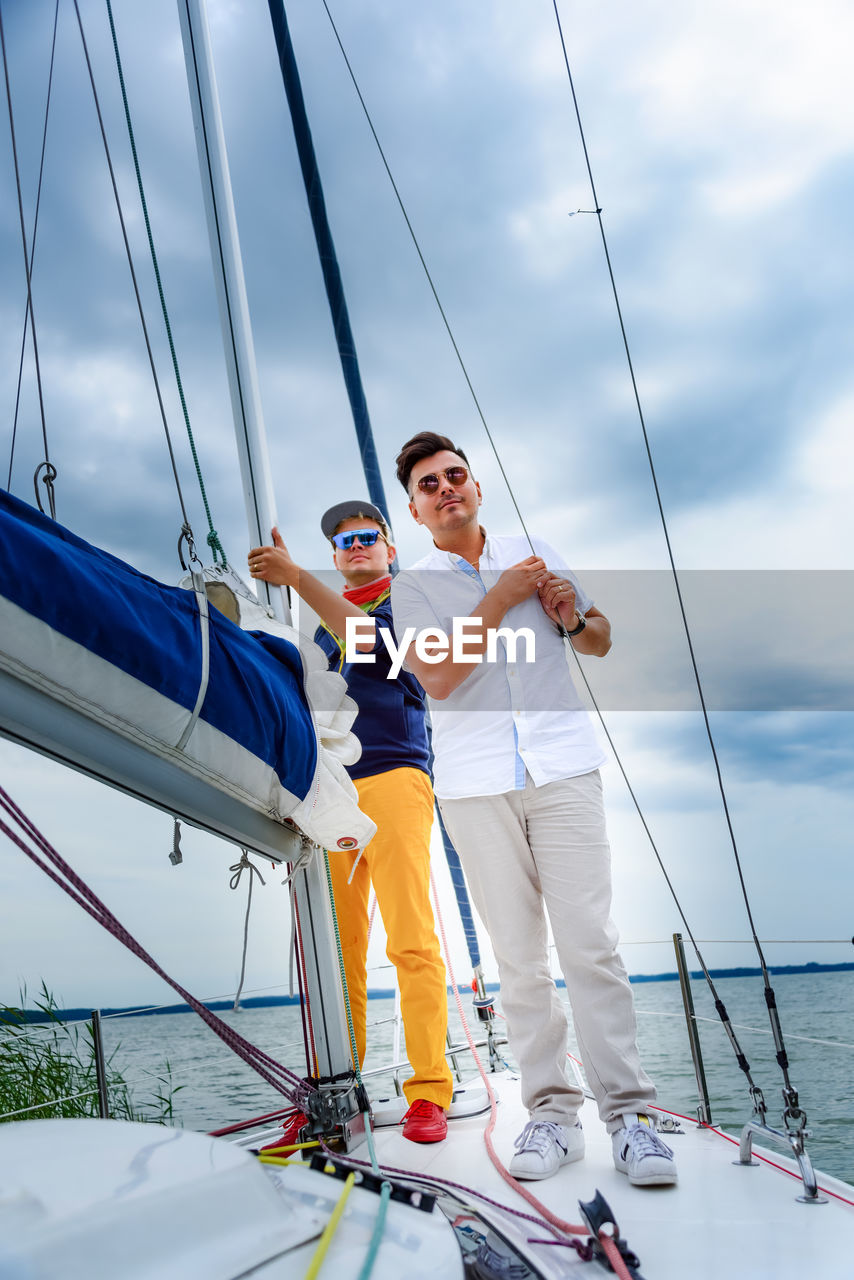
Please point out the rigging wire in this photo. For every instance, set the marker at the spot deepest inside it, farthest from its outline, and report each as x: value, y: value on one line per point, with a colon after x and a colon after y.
x: 426, y: 269
x: 330, y: 270
x: 213, y: 540
x: 741, y: 1059
x: 132, y: 269
x: 50, y: 470
x: 495, y: 451
x: 33, y: 248
x: 719, y: 1005
x: 789, y: 1094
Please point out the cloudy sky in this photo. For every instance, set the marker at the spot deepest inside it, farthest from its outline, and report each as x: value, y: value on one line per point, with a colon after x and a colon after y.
x: 721, y: 139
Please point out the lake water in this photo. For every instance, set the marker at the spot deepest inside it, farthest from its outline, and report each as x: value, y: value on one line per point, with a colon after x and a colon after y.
x: 816, y: 1011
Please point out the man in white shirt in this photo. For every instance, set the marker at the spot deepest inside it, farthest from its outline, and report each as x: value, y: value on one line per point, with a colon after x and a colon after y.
x: 516, y: 775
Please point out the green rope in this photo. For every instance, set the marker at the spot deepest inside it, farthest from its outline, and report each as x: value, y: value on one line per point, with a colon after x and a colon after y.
x: 385, y: 1190
x: 377, y: 1233
x: 368, y: 1133
x: 213, y: 537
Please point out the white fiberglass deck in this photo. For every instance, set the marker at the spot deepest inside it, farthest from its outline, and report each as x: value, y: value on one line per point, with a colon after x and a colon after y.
x: 140, y: 1202
x: 743, y: 1223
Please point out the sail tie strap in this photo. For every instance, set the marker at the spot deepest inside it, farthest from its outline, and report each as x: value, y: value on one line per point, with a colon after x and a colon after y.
x: 204, y: 625
x: 38, y: 849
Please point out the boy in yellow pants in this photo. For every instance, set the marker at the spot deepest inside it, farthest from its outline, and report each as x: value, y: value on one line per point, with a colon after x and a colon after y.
x: 394, y: 788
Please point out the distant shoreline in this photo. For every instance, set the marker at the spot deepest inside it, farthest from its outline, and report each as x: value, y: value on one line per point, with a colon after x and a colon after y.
x: 385, y: 993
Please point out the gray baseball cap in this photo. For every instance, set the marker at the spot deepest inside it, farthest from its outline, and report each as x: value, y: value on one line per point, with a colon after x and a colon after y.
x: 331, y: 519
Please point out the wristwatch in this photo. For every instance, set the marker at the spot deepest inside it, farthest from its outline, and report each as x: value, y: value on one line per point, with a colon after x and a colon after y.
x: 582, y: 623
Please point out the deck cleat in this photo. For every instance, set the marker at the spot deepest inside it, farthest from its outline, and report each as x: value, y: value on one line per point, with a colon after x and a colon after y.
x: 597, y: 1213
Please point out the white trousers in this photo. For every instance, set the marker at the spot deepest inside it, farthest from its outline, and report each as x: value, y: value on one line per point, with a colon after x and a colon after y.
x: 547, y: 846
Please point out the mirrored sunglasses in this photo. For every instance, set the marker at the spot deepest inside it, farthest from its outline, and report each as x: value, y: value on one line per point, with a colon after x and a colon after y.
x: 454, y: 475
x: 367, y: 538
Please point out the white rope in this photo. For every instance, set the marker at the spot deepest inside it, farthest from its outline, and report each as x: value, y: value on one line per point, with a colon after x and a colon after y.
x: 301, y: 863
x: 356, y: 862
x: 53, y: 1102
x: 236, y: 872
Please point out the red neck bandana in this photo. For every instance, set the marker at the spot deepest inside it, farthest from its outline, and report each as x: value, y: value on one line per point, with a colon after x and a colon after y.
x: 370, y: 593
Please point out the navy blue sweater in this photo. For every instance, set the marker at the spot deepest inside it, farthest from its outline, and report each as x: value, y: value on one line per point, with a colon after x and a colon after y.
x: 390, y: 724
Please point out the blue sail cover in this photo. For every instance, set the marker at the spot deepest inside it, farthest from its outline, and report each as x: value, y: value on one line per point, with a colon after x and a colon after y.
x: 255, y: 694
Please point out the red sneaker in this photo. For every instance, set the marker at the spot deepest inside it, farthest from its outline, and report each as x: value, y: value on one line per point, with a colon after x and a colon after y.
x: 290, y: 1132
x: 425, y: 1122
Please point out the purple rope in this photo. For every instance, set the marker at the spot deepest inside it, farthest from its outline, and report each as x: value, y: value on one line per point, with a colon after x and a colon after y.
x: 295, y: 1089
x: 433, y: 1180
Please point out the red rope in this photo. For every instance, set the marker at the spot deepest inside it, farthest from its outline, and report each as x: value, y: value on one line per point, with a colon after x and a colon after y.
x: 567, y: 1228
x: 305, y: 1003
x: 250, y: 1124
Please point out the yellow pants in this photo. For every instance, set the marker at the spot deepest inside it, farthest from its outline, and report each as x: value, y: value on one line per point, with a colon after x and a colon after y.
x: 397, y: 861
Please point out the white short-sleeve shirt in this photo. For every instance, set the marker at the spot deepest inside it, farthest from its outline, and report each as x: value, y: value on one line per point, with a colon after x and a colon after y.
x: 509, y: 715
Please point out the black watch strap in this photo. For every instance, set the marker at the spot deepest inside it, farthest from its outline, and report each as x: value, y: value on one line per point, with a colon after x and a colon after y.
x: 582, y: 623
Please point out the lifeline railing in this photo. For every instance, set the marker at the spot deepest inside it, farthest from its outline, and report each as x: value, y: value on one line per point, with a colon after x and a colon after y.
x: 38, y: 1029
x: 393, y: 1068
x: 793, y: 1138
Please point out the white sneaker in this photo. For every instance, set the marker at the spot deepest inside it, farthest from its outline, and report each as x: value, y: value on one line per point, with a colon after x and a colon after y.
x: 639, y: 1152
x: 543, y: 1146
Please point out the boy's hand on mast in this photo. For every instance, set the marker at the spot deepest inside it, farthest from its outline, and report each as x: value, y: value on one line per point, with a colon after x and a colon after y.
x: 274, y: 564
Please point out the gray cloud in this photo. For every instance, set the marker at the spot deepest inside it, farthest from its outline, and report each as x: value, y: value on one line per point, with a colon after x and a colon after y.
x: 726, y: 204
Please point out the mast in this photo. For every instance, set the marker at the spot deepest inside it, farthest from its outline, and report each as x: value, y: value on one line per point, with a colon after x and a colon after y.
x: 328, y: 258
x: 231, y: 288
x: 333, y: 1058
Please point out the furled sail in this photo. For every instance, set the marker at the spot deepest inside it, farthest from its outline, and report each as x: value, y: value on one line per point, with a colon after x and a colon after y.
x: 89, y: 636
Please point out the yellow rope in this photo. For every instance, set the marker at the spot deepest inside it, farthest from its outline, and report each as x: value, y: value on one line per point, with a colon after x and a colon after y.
x: 291, y: 1146
x: 329, y: 1230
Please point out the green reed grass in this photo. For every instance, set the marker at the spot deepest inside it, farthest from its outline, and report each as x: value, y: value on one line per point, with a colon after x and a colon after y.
x: 43, y: 1061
